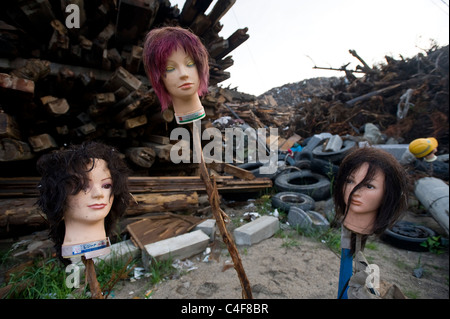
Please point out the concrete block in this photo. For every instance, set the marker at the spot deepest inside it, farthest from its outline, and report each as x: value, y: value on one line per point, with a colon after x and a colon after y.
x: 397, y: 150
x: 208, y: 227
x: 256, y: 231
x: 179, y: 247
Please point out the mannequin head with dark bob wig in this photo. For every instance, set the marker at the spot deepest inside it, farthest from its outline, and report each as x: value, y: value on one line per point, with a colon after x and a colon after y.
x: 159, y: 45
x: 66, y: 173
x: 362, y: 173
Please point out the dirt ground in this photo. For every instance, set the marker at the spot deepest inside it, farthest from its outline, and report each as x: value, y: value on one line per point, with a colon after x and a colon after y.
x: 292, y: 266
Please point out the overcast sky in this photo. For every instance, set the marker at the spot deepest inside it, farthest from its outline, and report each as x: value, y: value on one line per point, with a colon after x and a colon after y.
x: 289, y: 37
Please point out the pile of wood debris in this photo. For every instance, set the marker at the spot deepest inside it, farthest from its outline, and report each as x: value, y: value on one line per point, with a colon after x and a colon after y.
x: 405, y: 98
x: 62, y: 85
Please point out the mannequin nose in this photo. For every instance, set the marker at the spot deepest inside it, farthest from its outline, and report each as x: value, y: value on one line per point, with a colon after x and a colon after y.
x: 184, y: 73
x: 357, y: 192
x: 96, y: 192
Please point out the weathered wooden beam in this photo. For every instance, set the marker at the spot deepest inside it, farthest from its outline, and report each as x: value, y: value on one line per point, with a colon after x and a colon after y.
x: 235, y: 40
x: 191, y: 9
x: 162, y: 202
x: 135, y: 17
x: 14, y: 150
x: 8, y: 126
x: 13, y: 83
x: 27, y: 186
x: 220, y: 9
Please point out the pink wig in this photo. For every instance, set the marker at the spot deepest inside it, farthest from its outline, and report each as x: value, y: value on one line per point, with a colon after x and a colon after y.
x: 159, y: 45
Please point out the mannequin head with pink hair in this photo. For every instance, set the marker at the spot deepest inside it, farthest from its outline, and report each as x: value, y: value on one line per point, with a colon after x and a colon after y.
x: 160, y: 44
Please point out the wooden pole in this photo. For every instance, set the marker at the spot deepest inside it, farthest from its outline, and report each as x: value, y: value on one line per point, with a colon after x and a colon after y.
x: 91, y: 278
x: 220, y: 215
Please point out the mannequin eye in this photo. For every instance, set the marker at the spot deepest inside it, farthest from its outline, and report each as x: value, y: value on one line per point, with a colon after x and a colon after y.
x: 191, y: 63
x: 170, y: 69
x: 107, y: 186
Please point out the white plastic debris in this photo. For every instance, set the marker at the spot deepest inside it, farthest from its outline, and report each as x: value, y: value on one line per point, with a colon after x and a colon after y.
x: 275, y: 213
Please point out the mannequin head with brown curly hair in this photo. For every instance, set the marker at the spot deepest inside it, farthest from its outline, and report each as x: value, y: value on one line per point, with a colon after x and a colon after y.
x: 83, y: 192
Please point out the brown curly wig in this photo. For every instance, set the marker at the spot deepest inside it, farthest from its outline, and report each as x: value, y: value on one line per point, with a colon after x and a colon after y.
x: 65, y: 172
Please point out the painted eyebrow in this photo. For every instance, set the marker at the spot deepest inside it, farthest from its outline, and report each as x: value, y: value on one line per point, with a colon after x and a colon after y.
x: 101, y: 179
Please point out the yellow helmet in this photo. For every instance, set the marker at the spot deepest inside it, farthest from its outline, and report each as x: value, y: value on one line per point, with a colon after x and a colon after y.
x: 421, y: 147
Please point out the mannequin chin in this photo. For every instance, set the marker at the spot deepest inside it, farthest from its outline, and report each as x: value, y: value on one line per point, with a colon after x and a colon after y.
x: 360, y: 223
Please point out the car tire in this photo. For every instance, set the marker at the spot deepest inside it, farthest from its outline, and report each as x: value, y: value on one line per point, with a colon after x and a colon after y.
x: 407, y: 235
x: 335, y: 157
x: 286, y: 200
x: 307, y: 220
x: 306, y: 182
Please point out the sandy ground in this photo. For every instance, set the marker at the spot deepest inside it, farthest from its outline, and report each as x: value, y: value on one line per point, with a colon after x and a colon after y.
x: 292, y: 266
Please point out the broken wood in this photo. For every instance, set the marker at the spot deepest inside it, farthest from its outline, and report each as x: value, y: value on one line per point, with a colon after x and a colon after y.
x: 27, y: 186
x: 42, y: 142
x: 162, y: 202
x: 373, y: 93
x: 232, y: 170
x: 55, y: 106
x: 141, y: 156
x: 91, y: 278
x: 14, y: 150
x: 221, y: 218
x: 158, y: 227
x: 8, y: 126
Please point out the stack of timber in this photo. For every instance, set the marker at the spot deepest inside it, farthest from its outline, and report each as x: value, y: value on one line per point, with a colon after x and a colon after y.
x: 63, y: 83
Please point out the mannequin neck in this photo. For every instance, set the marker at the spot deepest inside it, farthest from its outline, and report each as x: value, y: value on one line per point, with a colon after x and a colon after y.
x: 360, y: 223
x: 80, y: 233
x: 188, y: 105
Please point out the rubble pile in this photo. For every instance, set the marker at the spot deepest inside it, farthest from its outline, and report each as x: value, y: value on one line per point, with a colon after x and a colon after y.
x: 405, y: 98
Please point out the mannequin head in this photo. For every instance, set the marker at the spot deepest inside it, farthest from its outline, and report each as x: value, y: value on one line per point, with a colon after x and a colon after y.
x: 370, y: 191
x: 83, y: 192
x: 172, y: 57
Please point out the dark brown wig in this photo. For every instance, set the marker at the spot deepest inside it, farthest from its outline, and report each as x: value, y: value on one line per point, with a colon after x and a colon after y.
x: 395, y: 199
x: 65, y: 172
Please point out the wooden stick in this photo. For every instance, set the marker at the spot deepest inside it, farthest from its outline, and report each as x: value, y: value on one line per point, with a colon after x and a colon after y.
x: 220, y: 215
x: 91, y: 277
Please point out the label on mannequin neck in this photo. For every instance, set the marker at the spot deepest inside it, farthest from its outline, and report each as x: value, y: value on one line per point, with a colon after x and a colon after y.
x: 191, y: 117
x: 81, y: 249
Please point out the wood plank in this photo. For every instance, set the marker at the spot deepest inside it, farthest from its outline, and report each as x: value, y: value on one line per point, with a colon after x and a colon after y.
x: 290, y: 142
x: 162, y: 202
x: 159, y: 227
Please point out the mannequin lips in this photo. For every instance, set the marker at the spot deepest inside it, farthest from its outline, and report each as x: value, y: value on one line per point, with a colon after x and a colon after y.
x: 356, y: 203
x: 97, y: 206
x: 186, y: 86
